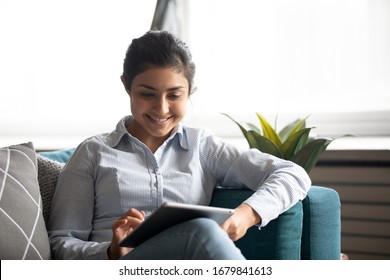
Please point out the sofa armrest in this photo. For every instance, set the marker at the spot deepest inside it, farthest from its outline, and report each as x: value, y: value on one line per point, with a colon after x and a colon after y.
x: 321, y: 236
x: 280, y: 239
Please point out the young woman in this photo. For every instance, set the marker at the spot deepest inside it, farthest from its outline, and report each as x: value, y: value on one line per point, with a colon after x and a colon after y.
x: 114, y: 180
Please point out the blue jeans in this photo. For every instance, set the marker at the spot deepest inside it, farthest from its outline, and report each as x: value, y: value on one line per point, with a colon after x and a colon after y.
x: 198, y: 239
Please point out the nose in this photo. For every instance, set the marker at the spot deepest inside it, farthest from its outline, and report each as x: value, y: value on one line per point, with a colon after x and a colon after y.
x: 162, y: 106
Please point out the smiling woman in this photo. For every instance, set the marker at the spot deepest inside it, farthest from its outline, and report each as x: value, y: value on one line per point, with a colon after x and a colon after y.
x: 159, y: 106
x: 158, y: 74
x: 114, y: 181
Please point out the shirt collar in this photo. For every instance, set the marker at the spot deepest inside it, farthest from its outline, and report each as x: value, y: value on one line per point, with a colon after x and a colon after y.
x: 116, y: 136
x: 179, y: 132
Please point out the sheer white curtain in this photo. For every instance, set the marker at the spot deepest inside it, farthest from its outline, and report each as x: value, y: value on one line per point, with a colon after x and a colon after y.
x: 326, y: 58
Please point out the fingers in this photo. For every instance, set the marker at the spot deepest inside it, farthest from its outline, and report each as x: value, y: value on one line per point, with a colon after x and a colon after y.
x: 129, y: 221
x: 121, y: 228
x: 134, y: 217
x: 135, y: 213
x: 238, y: 224
x: 225, y: 225
x: 234, y: 228
x: 229, y: 228
x: 233, y: 233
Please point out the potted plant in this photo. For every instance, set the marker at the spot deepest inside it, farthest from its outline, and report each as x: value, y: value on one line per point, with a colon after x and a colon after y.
x: 291, y: 143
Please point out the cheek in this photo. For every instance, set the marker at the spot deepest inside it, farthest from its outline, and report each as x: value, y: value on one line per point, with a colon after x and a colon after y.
x: 181, y: 108
x: 137, y: 105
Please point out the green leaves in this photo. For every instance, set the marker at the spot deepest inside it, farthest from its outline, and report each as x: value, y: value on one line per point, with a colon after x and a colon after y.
x: 268, y: 131
x: 294, y: 142
x: 308, y: 156
x: 264, y: 144
x: 291, y: 143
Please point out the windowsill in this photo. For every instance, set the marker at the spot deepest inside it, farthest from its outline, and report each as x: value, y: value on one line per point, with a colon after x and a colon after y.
x: 346, y: 143
x: 361, y: 143
x: 62, y: 142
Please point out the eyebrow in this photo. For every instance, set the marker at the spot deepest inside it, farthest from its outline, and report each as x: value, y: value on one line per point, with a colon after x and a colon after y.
x: 154, y: 89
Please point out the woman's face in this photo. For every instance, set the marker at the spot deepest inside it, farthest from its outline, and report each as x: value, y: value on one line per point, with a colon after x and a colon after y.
x: 158, y: 102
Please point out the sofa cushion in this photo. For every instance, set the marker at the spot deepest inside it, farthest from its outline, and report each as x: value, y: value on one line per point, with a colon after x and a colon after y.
x: 23, y: 230
x: 321, y: 237
x: 61, y: 156
x: 48, y: 171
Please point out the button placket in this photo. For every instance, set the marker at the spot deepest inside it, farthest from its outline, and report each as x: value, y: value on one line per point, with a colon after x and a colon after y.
x: 159, y: 186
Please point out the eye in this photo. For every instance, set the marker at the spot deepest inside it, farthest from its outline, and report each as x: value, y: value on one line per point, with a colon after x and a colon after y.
x: 175, y: 96
x: 147, y: 94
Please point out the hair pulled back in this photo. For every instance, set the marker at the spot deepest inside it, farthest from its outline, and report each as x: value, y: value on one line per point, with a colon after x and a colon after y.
x: 158, y: 49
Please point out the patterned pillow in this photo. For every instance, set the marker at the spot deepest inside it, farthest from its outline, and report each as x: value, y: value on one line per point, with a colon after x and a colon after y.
x: 23, y: 231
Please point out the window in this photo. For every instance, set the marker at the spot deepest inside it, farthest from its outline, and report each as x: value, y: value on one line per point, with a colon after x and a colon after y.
x: 328, y: 59
x: 61, y: 62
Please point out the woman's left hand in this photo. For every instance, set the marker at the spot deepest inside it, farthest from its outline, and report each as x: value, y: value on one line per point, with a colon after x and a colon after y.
x: 243, y: 218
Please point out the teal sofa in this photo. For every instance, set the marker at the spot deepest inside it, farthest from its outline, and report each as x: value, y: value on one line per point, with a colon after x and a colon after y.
x: 310, y: 230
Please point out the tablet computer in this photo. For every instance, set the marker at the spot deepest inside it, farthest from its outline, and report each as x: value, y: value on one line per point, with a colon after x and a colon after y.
x: 170, y: 214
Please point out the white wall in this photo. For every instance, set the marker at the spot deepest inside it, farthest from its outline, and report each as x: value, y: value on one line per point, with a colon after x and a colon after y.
x: 60, y: 63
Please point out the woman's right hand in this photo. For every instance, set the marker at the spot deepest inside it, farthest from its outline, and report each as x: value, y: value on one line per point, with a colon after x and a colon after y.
x: 120, y: 229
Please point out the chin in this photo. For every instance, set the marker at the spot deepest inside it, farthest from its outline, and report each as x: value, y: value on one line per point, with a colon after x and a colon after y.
x: 162, y: 134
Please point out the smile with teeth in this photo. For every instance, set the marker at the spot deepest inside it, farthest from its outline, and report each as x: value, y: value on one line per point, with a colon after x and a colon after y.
x: 158, y: 119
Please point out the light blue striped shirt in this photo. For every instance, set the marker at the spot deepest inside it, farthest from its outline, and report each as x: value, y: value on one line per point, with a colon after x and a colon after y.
x: 111, y: 173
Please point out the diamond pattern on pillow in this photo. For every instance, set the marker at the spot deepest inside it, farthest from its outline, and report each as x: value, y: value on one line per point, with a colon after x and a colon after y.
x: 23, y: 231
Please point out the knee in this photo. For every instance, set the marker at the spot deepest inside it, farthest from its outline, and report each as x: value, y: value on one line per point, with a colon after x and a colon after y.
x: 211, y: 241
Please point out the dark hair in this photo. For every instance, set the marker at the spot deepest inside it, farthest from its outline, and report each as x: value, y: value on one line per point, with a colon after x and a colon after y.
x: 161, y: 49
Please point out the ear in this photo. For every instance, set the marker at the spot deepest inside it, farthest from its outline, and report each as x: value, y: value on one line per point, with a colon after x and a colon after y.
x: 124, y: 84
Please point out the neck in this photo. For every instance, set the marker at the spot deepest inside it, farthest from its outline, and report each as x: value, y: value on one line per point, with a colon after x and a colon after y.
x: 152, y: 142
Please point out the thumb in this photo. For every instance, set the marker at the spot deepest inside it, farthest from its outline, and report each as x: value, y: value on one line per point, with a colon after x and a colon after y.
x: 225, y: 225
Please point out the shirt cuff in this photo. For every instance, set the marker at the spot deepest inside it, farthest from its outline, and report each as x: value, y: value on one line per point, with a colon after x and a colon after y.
x: 265, y: 208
